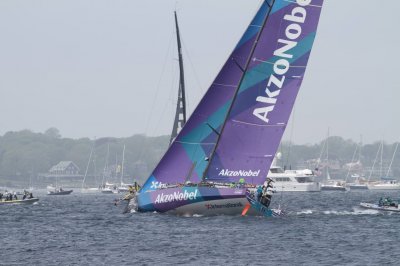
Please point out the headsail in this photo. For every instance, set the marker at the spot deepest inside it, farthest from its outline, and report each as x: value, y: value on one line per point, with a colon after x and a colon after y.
x: 180, y: 114
x: 265, y: 98
x: 185, y: 158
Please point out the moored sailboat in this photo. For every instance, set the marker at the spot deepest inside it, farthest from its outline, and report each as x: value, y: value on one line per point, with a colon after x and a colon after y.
x: 229, y: 142
x: 385, y: 183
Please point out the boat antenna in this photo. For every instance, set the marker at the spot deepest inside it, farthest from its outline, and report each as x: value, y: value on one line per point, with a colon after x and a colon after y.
x: 244, y: 70
x: 180, y: 114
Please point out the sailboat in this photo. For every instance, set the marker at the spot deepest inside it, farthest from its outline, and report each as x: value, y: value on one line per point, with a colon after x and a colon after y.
x: 230, y: 140
x: 359, y: 182
x: 84, y: 188
x: 106, y: 187
x: 331, y: 184
x: 385, y: 183
x: 123, y: 188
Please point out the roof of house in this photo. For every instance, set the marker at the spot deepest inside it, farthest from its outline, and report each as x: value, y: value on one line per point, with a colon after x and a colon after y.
x: 61, y: 166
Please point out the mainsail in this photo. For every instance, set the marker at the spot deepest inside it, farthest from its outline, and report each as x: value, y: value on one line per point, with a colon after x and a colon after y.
x: 180, y: 114
x: 235, y: 130
x: 265, y: 98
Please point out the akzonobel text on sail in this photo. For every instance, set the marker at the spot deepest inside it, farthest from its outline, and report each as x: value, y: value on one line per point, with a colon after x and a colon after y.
x: 282, y: 65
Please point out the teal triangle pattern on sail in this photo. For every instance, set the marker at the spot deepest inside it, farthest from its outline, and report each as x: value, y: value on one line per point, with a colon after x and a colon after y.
x: 186, y: 158
x: 262, y: 104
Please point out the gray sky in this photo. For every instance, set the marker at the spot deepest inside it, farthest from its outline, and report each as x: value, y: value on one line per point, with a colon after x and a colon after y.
x: 108, y: 67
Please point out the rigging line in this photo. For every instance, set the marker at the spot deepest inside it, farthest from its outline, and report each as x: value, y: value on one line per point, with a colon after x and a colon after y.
x: 159, y: 82
x: 291, y: 134
x: 391, y: 162
x: 150, y: 115
x: 351, y: 163
x: 238, y: 87
x: 320, y: 155
x: 193, y: 69
x: 373, y: 165
x: 169, y: 102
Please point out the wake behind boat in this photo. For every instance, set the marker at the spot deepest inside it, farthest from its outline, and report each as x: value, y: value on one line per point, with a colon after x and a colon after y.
x: 230, y: 140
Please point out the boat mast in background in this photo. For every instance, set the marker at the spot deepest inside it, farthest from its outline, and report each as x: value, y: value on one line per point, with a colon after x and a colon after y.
x: 87, y: 167
x: 180, y: 114
x: 122, y: 167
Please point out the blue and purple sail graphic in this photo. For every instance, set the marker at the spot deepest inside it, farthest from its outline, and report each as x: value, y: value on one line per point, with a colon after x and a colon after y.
x: 265, y: 98
x: 235, y: 130
x: 185, y: 159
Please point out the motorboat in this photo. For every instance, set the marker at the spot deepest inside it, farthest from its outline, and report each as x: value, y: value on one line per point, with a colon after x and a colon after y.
x: 293, y: 180
x: 334, y: 185
x: 19, y: 201
x: 59, y: 192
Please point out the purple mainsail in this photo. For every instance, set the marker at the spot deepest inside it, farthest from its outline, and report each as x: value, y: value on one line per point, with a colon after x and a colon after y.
x: 235, y: 130
x: 264, y: 100
x: 185, y: 160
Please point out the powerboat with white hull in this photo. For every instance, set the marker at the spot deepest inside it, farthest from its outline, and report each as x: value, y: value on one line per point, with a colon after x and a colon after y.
x: 293, y: 180
x: 228, y: 144
x: 19, y: 201
x: 59, y: 192
x: 384, y: 204
x: 334, y: 185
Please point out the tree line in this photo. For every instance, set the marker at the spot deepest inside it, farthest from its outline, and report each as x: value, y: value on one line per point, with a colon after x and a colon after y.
x: 26, y: 153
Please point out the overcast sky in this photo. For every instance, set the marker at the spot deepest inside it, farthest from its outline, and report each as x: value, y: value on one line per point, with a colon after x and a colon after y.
x: 108, y: 67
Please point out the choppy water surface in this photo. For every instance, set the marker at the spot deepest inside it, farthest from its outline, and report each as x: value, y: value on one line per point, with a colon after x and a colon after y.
x: 324, y: 228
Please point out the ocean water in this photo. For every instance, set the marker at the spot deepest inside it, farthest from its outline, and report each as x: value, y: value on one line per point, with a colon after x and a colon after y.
x: 325, y: 228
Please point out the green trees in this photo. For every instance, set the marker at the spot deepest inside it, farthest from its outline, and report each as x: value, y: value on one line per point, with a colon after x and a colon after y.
x: 25, y: 153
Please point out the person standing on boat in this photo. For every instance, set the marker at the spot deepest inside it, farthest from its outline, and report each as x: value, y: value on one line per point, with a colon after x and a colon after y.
x: 267, y: 191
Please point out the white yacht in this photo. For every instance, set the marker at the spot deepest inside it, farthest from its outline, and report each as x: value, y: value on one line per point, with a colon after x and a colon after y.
x: 293, y: 180
x: 359, y: 183
x: 333, y: 185
x: 384, y: 185
x: 109, y: 188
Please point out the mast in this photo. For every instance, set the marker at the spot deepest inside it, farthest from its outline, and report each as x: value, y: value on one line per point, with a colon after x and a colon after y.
x: 105, y: 164
x: 244, y: 70
x: 180, y: 114
x: 373, y: 165
x: 381, y: 173
x: 122, y: 164
x: 391, y: 162
x: 327, y: 156
x: 87, y: 167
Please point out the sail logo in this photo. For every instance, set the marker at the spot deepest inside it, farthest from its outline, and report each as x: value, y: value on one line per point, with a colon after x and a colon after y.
x: 282, y: 64
x: 176, y: 196
x: 221, y: 206
x: 157, y: 185
x: 226, y: 172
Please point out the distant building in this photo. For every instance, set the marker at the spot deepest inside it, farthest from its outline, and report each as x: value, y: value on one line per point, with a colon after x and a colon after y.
x: 64, y: 168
